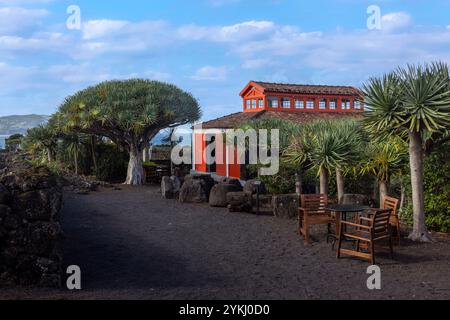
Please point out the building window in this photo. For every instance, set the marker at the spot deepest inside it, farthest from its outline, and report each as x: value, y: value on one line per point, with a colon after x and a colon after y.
x: 310, y: 104
x: 322, y: 104
x: 248, y: 104
x: 286, y: 102
x: 253, y: 104
x: 357, y: 104
x: 261, y: 103
x: 333, y: 104
x: 273, y: 102
x: 345, y: 105
x: 299, y: 104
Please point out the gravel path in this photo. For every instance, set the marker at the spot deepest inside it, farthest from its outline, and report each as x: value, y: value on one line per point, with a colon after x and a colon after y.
x: 132, y: 244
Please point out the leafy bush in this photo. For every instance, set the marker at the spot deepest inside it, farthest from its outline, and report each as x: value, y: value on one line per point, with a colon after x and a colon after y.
x: 437, y: 191
x: 150, y: 164
x: 112, y: 163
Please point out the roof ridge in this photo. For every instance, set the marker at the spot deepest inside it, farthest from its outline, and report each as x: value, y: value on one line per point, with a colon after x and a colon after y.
x: 226, y: 116
x: 303, y: 85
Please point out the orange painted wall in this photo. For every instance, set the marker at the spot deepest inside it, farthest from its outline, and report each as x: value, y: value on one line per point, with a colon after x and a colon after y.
x: 234, y: 170
x: 221, y: 167
x: 200, y: 146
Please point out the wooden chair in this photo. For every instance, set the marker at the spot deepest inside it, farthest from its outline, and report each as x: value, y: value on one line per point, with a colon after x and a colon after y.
x: 370, y: 231
x: 392, y: 203
x: 313, y: 212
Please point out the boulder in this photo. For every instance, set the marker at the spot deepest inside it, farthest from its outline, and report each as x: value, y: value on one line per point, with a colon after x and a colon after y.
x: 170, y: 187
x: 239, y: 201
x: 236, y: 182
x: 218, y: 196
x: 251, y: 187
x: 356, y: 199
x: 196, y: 188
x: 286, y: 205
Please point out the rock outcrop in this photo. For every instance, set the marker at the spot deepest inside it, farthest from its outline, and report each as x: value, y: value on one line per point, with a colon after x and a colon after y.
x: 170, y: 187
x: 30, y: 201
x: 196, y: 188
x: 218, y: 196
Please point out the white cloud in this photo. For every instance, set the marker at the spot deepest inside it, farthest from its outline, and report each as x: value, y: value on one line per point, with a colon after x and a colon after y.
x: 15, y: 19
x: 210, y: 73
x: 99, y: 28
x: 256, y: 63
x: 395, y: 21
x: 23, y: 2
x: 232, y: 33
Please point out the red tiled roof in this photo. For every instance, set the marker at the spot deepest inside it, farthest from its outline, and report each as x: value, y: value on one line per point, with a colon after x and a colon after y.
x: 307, y: 89
x: 233, y: 120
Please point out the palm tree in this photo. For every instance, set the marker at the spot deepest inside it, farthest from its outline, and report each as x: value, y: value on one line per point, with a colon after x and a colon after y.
x: 383, y: 158
x: 327, y: 146
x: 413, y: 103
x: 74, y: 143
x: 43, y: 137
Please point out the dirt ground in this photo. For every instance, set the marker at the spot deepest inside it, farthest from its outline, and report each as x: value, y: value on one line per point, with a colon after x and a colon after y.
x: 132, y: 244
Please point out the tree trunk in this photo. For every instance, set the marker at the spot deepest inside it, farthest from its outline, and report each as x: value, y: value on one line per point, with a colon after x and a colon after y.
x: 50, y: 156
x: 94, y: 156
x: 402, y: 198
x: 324, y: 181
x: 298, y: 183
x: 340, y: 185
x: 75, y: 157
x: 384, y: 190
x: 135, y: 173
x: 416, y: 156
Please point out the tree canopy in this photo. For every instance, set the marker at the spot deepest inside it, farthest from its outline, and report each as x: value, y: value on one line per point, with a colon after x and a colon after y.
x: 130, y: 113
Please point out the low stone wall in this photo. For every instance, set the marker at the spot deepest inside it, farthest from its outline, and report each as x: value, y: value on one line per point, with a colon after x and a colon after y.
x: 286, y: 205
x: 30, y: 201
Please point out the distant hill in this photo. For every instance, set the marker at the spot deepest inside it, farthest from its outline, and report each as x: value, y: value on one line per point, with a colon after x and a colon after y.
x: 10, y: 125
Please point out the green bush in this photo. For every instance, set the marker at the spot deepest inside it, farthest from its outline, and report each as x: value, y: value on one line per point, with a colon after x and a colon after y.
x: 112, y: 163
x: 150, y: 164
x: 437, y: 191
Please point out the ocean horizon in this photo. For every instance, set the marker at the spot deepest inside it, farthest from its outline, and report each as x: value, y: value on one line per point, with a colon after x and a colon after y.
x: 3, y: 142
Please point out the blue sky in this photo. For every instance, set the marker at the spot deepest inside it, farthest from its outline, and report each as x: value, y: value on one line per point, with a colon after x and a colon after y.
x: 211, y: 48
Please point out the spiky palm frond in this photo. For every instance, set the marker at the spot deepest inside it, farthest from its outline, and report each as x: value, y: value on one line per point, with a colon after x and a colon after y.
x: 411, y: 99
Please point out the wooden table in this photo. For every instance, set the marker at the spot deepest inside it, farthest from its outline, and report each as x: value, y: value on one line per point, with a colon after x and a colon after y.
x: 341, y: 211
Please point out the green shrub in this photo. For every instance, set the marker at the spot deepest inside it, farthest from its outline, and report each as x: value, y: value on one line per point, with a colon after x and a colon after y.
x: 150, y: 164
x: 437, y: 191
x: 112, y: 163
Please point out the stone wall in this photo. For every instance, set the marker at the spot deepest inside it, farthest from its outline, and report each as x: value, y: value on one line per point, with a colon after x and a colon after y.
x: 286, y: 205
x: 30, y: 201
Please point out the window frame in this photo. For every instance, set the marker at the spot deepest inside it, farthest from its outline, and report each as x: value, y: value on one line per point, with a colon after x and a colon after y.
x: 323, y: 107
x: 271, y: 100
x: 336, y: 103
x: 308, y: 103
x: 299, y: 103
x: 286, y: 100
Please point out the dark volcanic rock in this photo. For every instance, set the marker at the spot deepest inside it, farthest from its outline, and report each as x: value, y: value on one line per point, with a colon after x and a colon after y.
x: 196, y: 188
x: 30, y: 200
x: 251, y: 187
x: 218, y: 196
x: 38, y: 204
x: 5, y: 195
